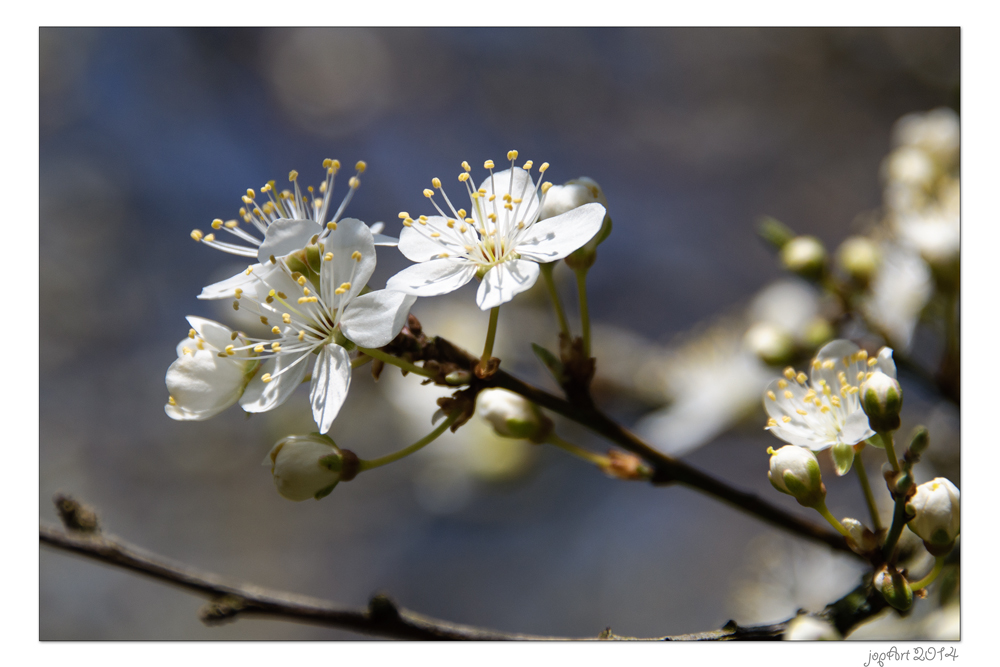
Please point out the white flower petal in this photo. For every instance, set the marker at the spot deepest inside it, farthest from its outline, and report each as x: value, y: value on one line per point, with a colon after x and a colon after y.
x: 795, y: 436
x: 504, y: 281
x: 285, y: 236
x: 554, y: 238
x: 330, y: 382
x: 225, y: 289
x: 203, y: 384
x: 383, y: 240
x: 518, y: 184
x: 438, y: 276
x: 351, y: 236
x: 856, y: 428
x: 262, y: 396
x: 417, y: 247
x: 885, y: 362
x: 374, y: 319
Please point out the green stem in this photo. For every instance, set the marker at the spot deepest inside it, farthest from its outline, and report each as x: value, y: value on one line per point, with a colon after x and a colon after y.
x: 889, y: 449
x: 491, y: 335
x: 360, y: 361
x: 579, y: 452
x: 581, y: 288
x: 931, y: 576
x: 896, y: 529
x: 396, y: 361
x: 550, y: 284
x: 832, y: 520
x: 419, y: 444
x: 859, y: 465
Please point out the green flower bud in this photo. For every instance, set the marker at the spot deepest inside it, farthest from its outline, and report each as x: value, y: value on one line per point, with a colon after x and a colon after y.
x: 770, y: 343
x: 805, y: 256
x: 882, y: 399
x: 819, y: 332
x: 562, y: 198
x: 894, y: 588
x: 862, y: 540
x: 859, y: 257
x: 305, y: 466
x: 936, y: 514
x: 795, y: 471
x: 512, y: 416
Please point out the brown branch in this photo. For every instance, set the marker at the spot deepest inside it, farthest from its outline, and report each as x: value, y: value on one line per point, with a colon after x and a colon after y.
x: 443, y: 354
x: 231, y: 600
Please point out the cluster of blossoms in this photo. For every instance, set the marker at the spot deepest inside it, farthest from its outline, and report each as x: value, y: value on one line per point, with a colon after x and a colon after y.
x: 309, y: 288
x: 850, y: 399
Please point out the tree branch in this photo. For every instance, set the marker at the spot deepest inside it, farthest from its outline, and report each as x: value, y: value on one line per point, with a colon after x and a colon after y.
x: 666, y: 469
x: 230, y: 600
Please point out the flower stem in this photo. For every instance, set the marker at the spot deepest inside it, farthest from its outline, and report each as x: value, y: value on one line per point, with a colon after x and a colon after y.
x: 360, y: 361
x: 889, y: 449
x: 931, y: 576
x: 832, y: 520
x: 579, y: 452
x: 550, y: 284
x: 419, y: 444
x: 396, y: 361
x: 581, y: 288
x: 896, y: 529
x: 859, y: 465
x: 491, y: 335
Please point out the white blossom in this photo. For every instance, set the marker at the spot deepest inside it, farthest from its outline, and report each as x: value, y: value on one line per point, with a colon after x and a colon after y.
x: 212, y: 369
x: 826, y: 411
x: 318, y: 309
x: 500, y: 240
x: 304, y: 466
x: 899, y: 292
x: 283, y: 208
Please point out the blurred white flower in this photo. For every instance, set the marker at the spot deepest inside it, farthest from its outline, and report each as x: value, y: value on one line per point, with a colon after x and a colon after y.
x: 828, y: 411
x: 806, y: 628
x: 792, y: 306
x: 901, y: 288
x: 502, y: 242
x: 212, y: 370
x: 934, y: 234
x: 712, y: 381
x: 936, y: 132
x: 283, y: 208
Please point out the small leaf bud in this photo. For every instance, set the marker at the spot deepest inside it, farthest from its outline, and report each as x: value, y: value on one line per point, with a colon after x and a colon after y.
x: 805, y: 256
x: 859, y: 257
x: 770, y: 343
x: 305, y: 466
x: 882, y: 399
x: 795, y: 471
x: 936, y: 514
x: 894, y: 587
x: 512, y: 416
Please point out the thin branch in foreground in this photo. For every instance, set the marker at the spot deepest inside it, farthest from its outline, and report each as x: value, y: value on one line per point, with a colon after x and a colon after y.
x: 230, y: 601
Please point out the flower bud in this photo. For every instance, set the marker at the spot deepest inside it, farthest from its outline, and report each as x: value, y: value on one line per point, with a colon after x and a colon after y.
x: 805, y: 256
x: 882, y: 399
x: 795, y: 471
x: 770, y: 343
x: 894, y: 587
x: 305, y: 466
x: 818, y: 332
x: 562, y: 198
x: 512, y: 416
x: 936, y: 514
x: 807, y: 628
x: 862, y: 540
x: 859, y: 258
x: 843, y: 458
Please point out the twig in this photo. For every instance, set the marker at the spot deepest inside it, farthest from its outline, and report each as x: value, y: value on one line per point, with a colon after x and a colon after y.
x: 230, y: 600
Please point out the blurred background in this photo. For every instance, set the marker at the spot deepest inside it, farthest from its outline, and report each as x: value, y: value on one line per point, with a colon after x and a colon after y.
x: 692, y: 133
